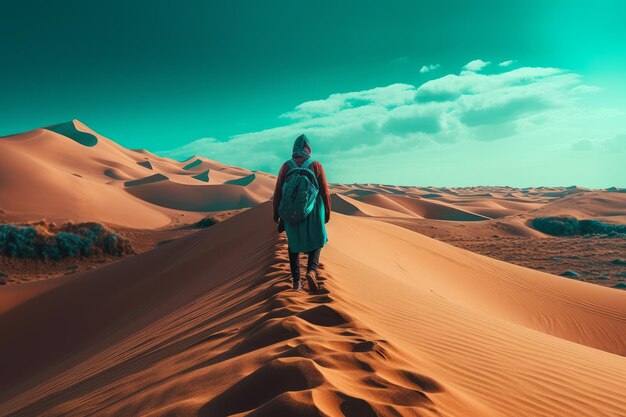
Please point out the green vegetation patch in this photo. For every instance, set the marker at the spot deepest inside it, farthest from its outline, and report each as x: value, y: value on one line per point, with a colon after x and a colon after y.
x: 49, y: 241
x: 206, y: 222
x: 571, y: 226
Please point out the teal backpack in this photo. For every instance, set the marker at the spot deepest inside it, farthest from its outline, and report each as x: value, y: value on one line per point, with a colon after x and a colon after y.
x: 299, y: 192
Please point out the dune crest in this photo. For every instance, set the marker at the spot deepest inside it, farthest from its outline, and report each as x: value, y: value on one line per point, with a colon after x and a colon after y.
x: 70, y: 130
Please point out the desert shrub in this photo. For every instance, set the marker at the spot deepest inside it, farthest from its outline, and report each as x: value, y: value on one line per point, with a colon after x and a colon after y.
x: 570, y: 226
x: 116, y: 245
x: 557, y: 226
x: 49, y: 241
x: 18, y: 242
x: 50, y: 251
x: 71, y: 245
x: 593, y: 227
x: 206, y: 222
x: 619, y: 228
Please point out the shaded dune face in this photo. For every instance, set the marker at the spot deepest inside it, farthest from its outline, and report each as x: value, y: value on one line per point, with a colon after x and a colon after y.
x: 192, y: 164
x: 207, y: 325
x: 203, y: 176
x: 69, y: 130
x: 147, y: 180
x: 193, y: 198
x: 242, y: 181
x: 145, y: 164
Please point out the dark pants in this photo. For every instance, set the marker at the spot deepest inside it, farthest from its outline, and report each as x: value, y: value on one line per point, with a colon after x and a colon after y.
x: 311, y: 265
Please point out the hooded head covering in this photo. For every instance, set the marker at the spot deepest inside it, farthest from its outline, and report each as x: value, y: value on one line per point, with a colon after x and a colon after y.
x: 301, y: 147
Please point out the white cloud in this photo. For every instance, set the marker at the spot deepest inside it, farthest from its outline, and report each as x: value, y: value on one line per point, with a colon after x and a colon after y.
x: 476, y: 65
x: 390, y: 96
x: 428, y: 68
x: 505, y: 63
x: 581, y: 89
x: 451, y: 86
x: 400, y: 118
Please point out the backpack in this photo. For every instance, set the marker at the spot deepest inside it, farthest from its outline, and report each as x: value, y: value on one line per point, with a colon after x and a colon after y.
x: 299, y: 192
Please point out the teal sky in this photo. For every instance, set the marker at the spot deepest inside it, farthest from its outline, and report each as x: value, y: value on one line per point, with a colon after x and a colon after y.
x: 448, y: 93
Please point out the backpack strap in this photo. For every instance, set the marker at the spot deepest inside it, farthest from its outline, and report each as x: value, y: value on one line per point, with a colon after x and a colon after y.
x: 306, y: 163
x: 305, y: 167
x: 293, y: 167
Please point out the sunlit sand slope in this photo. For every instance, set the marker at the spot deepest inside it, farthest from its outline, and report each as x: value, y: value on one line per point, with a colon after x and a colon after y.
x: 207, y: 325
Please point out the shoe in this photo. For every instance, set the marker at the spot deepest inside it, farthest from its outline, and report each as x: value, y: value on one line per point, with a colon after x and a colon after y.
x: 297, y: 284
x: 312, y: 282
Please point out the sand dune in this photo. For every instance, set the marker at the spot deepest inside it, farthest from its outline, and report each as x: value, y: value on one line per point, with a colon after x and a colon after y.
x: 42, y: 181
x: 597, y: 204
x: 68, y: 172
x: 196, y: 197
x: 221, y: 177
x: 116, y: 174
x: 436, y: 210
x: 390, y: 205
x: 498, y: 207
x: 350, y: 206
x: 206, y: 325
x: 497, y: 349
x: 383, y: 201
x: 146, y: 180
x: 509, y: 209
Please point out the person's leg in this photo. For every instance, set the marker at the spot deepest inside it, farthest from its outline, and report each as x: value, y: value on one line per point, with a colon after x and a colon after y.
x: 311, y: 270
x: 313, y: 260
x: 294, y: 264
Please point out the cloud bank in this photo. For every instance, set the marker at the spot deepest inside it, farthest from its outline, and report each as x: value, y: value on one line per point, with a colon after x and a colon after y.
x: 375, y: 126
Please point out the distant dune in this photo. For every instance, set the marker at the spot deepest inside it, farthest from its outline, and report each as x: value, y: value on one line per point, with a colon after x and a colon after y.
x: 69, y: 172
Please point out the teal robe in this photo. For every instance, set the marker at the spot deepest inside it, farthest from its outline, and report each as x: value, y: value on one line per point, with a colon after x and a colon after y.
x: 309, y: 234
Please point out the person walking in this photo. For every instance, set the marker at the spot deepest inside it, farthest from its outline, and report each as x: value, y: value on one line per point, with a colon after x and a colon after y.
x: 302, y: 208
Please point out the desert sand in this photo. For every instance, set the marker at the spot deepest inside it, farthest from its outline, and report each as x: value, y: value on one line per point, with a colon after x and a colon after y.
x: 206, y: 323
x: 49, y: 175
